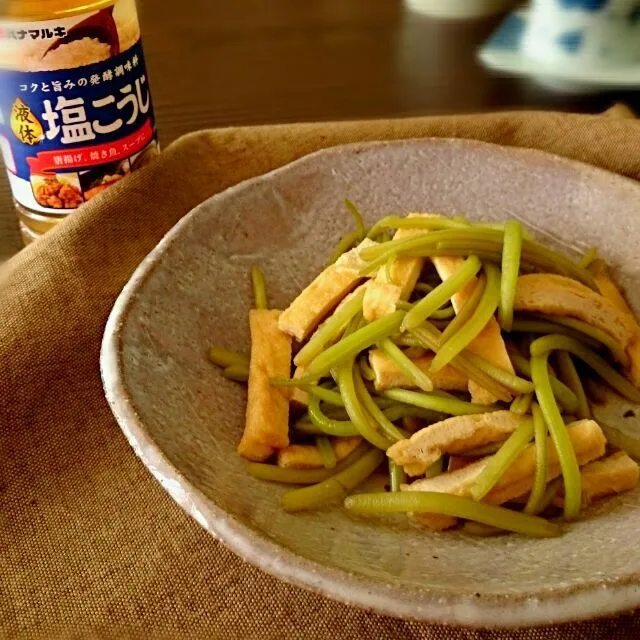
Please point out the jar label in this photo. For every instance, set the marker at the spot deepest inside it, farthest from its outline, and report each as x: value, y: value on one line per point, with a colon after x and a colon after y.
x: 75, y: 109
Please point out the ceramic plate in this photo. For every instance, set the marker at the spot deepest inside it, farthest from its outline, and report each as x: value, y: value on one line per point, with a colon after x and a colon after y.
x: 184, y: 419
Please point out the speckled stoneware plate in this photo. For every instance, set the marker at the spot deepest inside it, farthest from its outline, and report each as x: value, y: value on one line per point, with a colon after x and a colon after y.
x: 184, y: 419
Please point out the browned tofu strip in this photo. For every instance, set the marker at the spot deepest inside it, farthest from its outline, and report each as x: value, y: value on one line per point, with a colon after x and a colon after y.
x: 312, y: 306
x: 587, y: 440
x: 557, y: 295
x: 489, y: 343
x: 454, y: 435
x: 405, y: 271
x: 608, y: 287
x: 380, y: 300
x: 299, y: 397
x: 307, y: 456
x: 614, y: 474
x: 611, y: 292
x: 390, y: 376
x: 633, y: 351
x: 446, y: 266
x: 364, y: 286
x: 267, y: 421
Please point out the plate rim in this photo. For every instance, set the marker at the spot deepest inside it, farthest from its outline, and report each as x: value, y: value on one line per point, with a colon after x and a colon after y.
x: 572, y: 604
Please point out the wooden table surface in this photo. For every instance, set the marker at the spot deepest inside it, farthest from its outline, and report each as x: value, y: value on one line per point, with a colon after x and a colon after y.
x: 218, y: 63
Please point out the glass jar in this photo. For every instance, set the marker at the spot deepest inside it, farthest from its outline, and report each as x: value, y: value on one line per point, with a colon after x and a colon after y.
x: 75, y: 109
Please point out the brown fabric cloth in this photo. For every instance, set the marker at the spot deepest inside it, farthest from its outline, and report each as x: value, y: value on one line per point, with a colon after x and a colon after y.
x: 90, y: 545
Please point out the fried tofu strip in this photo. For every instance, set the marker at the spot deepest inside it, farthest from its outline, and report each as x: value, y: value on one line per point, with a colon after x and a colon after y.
x: 390, y: 376
x: 307, y: 456
x: 609, y: 476
x: 557, y: 295
x: 608, y: 287
x: 299, y: 397
x: 587, y: 440
x: 610, y: 290
x: 489, y: 343
x: 311, y: 307
x: 404, y: 270
x: 633, y: 351
x: 380, y: 300
x: 384, y: 294
x: 455, y: 436
x: 267, y: 420
x: 363, y: 287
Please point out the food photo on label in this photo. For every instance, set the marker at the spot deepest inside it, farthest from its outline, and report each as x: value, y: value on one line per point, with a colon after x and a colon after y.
x: 58, y: 192
x: 75, y: 107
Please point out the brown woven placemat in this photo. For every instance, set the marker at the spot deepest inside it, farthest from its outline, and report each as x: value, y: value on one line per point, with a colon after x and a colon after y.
x: 90, y: 545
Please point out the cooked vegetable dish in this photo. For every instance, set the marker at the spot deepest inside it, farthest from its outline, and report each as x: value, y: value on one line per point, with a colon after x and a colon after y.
x: 463, y: 359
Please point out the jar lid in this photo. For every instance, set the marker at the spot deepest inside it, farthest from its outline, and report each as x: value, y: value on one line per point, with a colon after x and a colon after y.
x: 49, y: 9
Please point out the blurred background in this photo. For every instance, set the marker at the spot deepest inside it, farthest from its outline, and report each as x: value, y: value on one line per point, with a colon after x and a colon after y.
x: 215, y: 63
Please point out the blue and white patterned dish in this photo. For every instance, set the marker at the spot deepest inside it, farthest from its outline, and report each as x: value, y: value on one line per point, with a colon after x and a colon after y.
x: 575, y: 44
x: 603, y: 33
